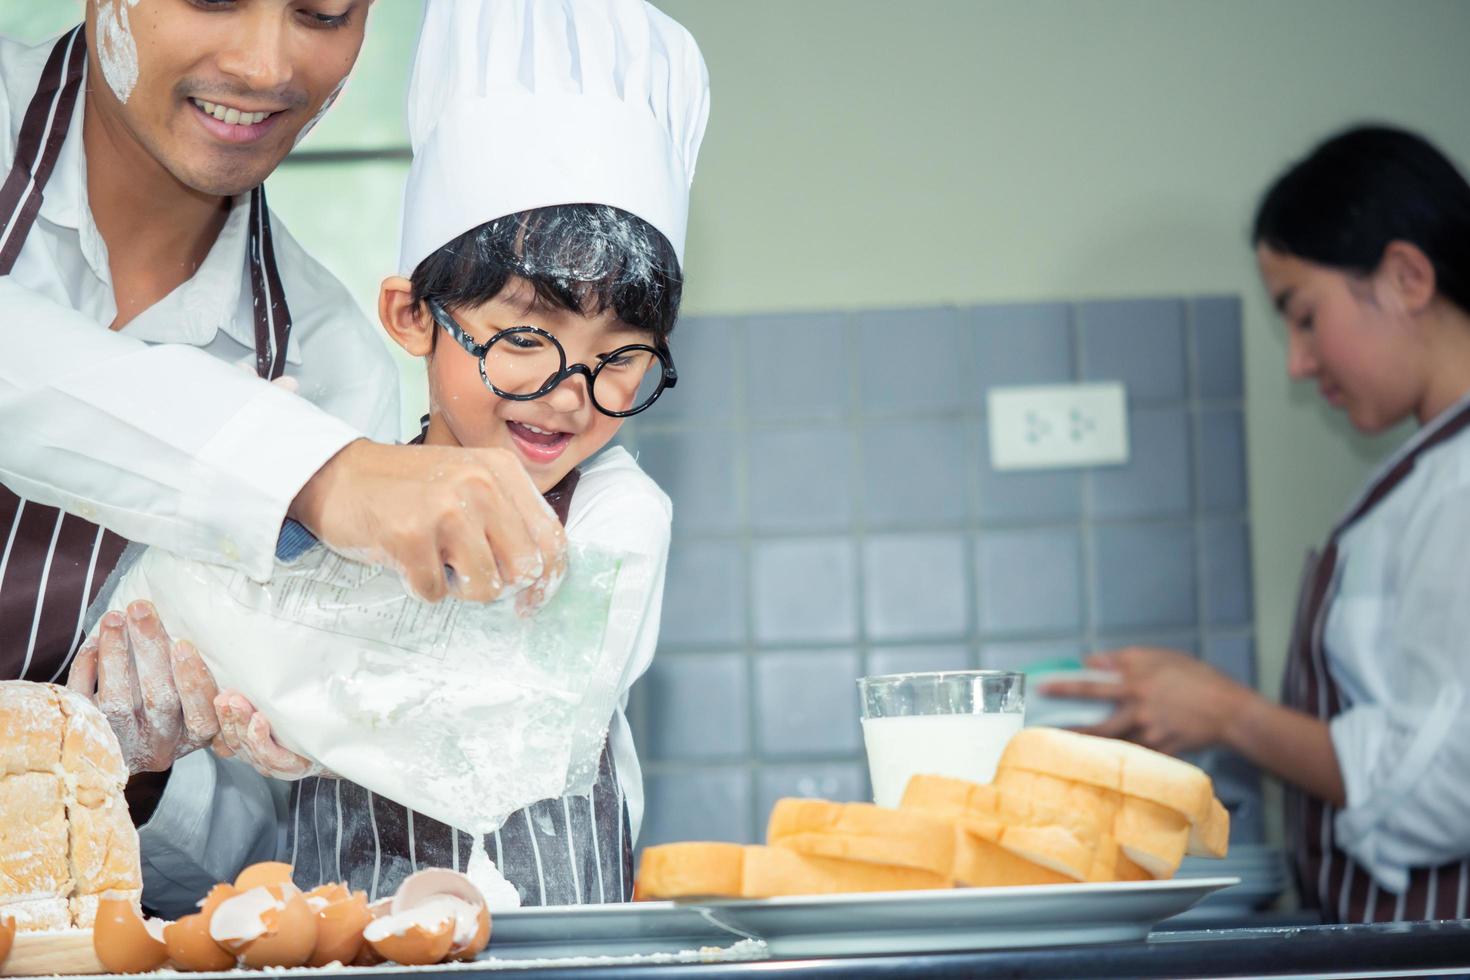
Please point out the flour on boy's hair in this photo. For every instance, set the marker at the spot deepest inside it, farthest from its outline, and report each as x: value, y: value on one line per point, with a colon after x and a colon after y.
x: 599, y: 246
x: 117, y: 52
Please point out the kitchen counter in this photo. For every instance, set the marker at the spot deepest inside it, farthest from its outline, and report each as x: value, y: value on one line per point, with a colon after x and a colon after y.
x: 1404, y: 949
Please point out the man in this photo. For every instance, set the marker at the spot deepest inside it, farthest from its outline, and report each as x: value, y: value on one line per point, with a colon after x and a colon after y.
x: 139, y: 273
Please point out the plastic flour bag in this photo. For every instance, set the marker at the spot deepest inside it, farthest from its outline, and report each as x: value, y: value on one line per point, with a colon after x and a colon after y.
x: 463, y: 711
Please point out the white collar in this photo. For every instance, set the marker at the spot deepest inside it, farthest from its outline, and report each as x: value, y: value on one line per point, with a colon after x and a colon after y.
x: 208, y: 302
x: 1411, y: 445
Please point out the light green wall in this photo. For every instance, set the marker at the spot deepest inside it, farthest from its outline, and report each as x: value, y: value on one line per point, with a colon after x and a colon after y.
x: 865, y: 153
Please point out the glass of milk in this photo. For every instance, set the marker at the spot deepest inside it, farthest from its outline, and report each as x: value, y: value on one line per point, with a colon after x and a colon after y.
x: 945, y: 723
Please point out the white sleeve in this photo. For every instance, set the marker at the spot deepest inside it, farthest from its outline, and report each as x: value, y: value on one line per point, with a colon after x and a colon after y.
x: 165, y: 445
x: 216, y: 816
x: 638, y: 521
x: 1406, y: 762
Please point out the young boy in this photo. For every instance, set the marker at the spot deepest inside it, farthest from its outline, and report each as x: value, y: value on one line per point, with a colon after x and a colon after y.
x: 543, y: 233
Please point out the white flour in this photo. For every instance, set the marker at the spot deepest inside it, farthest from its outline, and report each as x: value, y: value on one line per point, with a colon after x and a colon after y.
x: 326, y: 104
x: 117, y: 52
x: 500, y: 895
x: 466, y: 712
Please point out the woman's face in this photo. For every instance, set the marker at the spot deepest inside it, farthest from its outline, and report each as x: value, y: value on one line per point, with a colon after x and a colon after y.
x: 1363, y: 352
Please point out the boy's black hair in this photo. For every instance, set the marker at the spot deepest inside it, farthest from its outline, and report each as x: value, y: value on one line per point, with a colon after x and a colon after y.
x: 1360, y: 190
x: 584, y: 258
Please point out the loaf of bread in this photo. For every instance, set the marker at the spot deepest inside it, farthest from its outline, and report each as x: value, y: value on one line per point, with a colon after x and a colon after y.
x: 1006, y: 839
x: 1157, y: 808
x: 65, y: 834
x: 715, y: 870
x: 864, y: 832
x: 1063, y: 808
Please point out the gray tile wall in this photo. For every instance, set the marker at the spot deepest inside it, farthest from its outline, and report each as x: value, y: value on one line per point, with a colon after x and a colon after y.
x: 835, y: 514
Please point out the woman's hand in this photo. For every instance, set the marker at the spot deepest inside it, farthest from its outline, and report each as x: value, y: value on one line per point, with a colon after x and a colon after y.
x: 244, y: 732
x: 1166, y: 700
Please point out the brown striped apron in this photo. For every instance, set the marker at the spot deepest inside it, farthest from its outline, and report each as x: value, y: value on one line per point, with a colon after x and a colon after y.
x: 1327, y: 877
x: 53, y: 562
x: 577, y: 850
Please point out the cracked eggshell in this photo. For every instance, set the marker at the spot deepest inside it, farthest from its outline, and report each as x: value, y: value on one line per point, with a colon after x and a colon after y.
x: 340, y: 919
x: 422, y: 886
x: 190, y: 946
x: 124, y: 943
x: 367, y: 956
x: 270, y: 925
x: 7, y: 937
x: 263, y: 873
x: 411, y: 943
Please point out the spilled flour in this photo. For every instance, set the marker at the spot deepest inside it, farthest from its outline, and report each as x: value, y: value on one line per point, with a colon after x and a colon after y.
x: 500, y: 895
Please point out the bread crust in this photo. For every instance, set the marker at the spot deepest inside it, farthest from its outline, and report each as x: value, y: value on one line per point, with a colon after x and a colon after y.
x: 65, y: 834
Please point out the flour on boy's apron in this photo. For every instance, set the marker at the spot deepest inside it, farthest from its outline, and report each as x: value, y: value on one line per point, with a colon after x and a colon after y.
x: 577, y: 850
x: 53, y: 563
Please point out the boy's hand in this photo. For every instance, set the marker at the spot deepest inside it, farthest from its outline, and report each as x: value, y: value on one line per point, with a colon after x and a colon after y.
x: 244, y: 732
x: 157, y: 694
x: 462, y: 522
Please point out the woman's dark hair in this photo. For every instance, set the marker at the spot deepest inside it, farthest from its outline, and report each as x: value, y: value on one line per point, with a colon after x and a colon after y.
x: 585, y: 258
x: 1344, y: 203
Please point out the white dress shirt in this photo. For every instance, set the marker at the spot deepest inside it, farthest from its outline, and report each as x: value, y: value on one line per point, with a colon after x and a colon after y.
x: 1397, y: 637
x: 618, y: 506
x: 161, y: 431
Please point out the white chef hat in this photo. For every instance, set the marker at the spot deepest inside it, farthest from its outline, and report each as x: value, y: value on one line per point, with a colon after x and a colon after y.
x: 521, y: 104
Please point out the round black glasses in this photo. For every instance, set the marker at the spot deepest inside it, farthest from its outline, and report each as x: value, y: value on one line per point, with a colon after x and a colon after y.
x: 524, y: 363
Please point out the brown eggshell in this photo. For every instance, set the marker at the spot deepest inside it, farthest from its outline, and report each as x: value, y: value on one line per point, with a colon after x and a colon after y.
x: 7, y: 937
x: 367, y: 956
x: 264, y: 873
x: 424, y: 885
x: 473, y: 948
x: 122, y: 942
x: 417, y: 946
x: 339, y: 928
x: 190, y: 949
x: 216, y: 895
x: 289, y: 924
x: 323, y: 895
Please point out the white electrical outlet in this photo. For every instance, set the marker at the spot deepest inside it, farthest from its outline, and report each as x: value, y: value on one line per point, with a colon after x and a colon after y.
x: 1049, y: 426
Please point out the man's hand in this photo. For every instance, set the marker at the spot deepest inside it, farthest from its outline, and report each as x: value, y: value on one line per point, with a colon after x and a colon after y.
x: 1166, y: 700
x: 157, y: 695
x: 244, y: 732
x: 462, y: 522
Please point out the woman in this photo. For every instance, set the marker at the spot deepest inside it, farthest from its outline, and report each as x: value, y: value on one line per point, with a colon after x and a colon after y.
x: 1364, y: 247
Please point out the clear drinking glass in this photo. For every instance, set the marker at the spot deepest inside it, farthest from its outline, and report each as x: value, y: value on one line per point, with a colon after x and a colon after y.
x: 946, y: 723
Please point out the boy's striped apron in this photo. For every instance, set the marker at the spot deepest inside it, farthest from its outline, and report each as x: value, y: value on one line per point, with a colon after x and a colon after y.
x: 572, y: 851
x: 53, y: 562
x: 1328, y: 879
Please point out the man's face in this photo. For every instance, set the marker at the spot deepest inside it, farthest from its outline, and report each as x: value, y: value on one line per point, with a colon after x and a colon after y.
x: 219, y: 90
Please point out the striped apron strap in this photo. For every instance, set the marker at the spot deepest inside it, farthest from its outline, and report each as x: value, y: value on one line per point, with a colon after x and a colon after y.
x: 272, y: 315
x: 42, y: 131
x: 53, y: 563
x: 1328, y: 879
